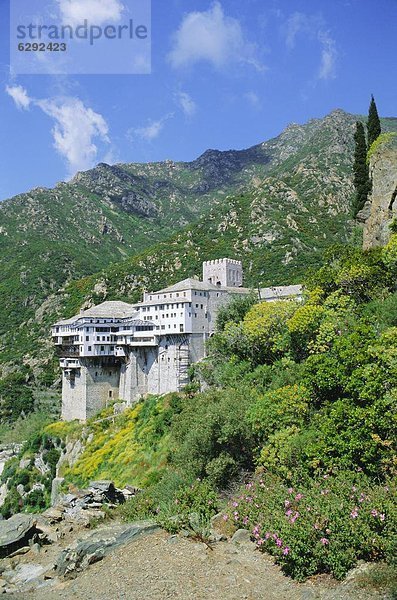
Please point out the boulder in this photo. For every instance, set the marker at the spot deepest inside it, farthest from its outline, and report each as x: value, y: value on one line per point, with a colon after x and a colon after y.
x: 107, y: 491
x: 56, y: 490
x: 242, y: 536
x: 95, y: 546
x: 16, y: 533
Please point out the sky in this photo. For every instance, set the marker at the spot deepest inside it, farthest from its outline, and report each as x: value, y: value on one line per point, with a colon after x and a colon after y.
x: 225, y: 74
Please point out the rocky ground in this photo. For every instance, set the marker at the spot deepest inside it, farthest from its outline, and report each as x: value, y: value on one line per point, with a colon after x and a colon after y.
x: 158, y: 565
x: 69, y: 551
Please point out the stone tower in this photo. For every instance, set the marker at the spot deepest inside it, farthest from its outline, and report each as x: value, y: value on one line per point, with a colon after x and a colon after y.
x: 223, y: 272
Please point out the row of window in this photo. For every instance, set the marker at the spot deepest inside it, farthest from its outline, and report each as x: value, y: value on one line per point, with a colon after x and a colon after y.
x: 177, y: 295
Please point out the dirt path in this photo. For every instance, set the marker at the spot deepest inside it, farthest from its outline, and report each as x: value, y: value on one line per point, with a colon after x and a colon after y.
x: 160, y: 566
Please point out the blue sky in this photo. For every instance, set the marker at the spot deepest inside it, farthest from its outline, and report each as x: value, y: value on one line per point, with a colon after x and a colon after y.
x: 265, y: 64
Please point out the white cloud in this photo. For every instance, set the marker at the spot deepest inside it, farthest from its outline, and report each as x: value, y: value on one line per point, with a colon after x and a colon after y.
x: 74, y: 12
x: 314, y: 28
x: 213, y: 37
x: 151, y: 131
x: 19, y: 95
x: 253, y: 99
x: 76, y: 128
x: 186, y: 103
x: 329, y: 56
x: 297, y: 23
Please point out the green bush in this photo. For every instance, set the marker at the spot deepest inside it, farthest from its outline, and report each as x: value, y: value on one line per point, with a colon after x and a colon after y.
x: 326, y: 526
x: 212, y: 435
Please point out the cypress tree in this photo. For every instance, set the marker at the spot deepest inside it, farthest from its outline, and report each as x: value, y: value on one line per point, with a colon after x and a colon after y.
x: 361, y: 171
x: 373, y: 124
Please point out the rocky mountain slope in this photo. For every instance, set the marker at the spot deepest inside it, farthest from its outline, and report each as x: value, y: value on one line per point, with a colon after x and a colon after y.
x: 275, y: 206
x: 380, y: 209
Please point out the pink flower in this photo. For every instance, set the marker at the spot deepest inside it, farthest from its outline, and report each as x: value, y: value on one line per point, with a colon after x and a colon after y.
x: 382, y: 517
x: 267, y: 535
x: 324, y: 541
x: 298, y: 497
x: 235, y: 504
x: 374, y: 512
x: 245, y: 520
x: 287, y: 503
x: 256, y: 530
x: 288, y: 513
x: 260, y: 541
x: 279, y: 542
x: 354, y: 513
x: 225, y: 517
x: 286, y: 551
x: 290, y: 490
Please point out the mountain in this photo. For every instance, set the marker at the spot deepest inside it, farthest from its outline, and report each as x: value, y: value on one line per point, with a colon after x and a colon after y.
x: 276, y: 206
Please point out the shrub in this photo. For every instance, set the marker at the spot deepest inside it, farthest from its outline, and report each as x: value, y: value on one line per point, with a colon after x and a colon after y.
x: 212, y: 436
x: 265, y: 326
x: 325, y: 526
x: 278, y: 409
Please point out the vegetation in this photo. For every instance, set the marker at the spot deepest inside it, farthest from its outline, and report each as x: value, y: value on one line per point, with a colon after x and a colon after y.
x: 29, y: 481
x: 360, y: 168
x: 295, y: 438
x: 384, y: 138
x: 373, y: 125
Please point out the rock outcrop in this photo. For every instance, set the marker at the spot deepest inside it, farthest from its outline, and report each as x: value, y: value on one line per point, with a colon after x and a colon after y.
x: 97, y: 545
x: 381, y: 208
x: 15, y: 533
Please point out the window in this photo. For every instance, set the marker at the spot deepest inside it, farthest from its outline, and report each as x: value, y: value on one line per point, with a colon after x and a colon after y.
x: 195, y: 315
x: 102, y: 348
x: 110, y: 394
x: 201, y: 306
x: 163, y: 327
x: 87, y: 338
x: 197, y: 305
x: 89, y: 348
x: 181, y: 328
x: 175, y: 326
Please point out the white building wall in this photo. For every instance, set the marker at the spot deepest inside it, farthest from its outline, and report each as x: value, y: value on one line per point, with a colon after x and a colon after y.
x: 223, y: 272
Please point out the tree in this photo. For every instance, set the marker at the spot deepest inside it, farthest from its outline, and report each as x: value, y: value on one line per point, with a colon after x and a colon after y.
x: 360, y: 168
x: 373, y: 124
